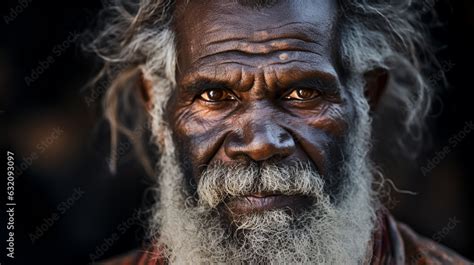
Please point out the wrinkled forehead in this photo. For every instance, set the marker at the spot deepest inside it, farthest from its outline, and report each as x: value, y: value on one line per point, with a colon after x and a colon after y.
x: 199, y: 25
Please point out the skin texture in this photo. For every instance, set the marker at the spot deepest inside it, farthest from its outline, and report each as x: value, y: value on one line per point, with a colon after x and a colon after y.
x: 260, y: 85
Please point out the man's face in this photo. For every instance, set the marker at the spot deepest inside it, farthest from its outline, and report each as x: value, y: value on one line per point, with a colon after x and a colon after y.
x: 271, y: 147
x: 258, y: 85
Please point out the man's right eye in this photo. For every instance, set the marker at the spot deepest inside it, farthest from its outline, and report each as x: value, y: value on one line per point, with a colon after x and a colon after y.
x: 214, y: 95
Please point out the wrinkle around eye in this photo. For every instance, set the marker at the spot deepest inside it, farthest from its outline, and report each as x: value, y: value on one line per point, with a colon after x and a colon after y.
x: 213, y: 109
x: 192, y: 119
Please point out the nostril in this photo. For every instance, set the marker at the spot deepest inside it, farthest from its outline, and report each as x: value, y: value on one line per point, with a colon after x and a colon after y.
x: 259, y: 142
x: 283, y: 137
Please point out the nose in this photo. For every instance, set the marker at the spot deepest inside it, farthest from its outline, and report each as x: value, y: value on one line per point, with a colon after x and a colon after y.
x: 259, y: 142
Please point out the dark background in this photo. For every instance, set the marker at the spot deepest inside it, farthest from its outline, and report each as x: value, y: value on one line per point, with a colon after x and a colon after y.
x: 70, y: 209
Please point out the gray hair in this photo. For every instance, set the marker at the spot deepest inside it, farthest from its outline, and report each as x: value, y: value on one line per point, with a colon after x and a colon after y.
x: 374, y: 34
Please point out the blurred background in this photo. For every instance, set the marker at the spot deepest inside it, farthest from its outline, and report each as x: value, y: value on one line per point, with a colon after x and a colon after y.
x: 72, y: 210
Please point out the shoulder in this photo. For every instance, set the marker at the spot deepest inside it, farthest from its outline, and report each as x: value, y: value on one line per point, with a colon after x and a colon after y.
x: 422, y: 251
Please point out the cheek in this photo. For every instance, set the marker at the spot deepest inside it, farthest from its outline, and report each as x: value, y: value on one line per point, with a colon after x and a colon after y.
x: 197, y: 137
x: 321, y: 135
x: 332, y: 120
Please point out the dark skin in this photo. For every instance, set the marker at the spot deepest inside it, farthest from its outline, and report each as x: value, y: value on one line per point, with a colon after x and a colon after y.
x: 261, y: 85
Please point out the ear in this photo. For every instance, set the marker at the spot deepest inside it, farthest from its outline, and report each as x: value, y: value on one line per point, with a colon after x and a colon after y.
x: 146, y: 91
x: 376, y: 81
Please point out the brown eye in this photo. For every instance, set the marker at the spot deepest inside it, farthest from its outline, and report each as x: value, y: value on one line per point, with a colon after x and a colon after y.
x: 216, y: 95
x: 303, y: 94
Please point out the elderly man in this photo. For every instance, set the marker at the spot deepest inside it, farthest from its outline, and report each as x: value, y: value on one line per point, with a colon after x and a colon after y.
x: 262, y: 113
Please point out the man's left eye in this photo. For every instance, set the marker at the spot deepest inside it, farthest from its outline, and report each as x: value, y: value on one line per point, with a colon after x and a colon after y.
x: 303, y: 94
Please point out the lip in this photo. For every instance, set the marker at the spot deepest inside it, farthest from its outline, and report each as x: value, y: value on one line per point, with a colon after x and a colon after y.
x: 260, y: 202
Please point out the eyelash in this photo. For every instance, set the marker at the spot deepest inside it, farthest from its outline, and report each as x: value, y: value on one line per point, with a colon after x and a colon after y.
x: 218, y: 89
x: 313, y: 90
x: 207, y: 90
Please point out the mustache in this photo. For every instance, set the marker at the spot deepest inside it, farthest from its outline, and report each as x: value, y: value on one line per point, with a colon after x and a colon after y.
x: 221, y: 181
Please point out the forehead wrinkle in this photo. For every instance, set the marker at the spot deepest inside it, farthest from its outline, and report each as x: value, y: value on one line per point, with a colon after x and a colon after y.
x: 228, y: 42
x: 219, y: 32
x: 276, y: 44
x: 300, y: 63
x: 228, y: 39
x: 271, y: 78
x: 254, y: 59
x: 301, y: 30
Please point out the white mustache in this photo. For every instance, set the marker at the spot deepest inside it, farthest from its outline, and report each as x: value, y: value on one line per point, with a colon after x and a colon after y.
x: 220, y: 181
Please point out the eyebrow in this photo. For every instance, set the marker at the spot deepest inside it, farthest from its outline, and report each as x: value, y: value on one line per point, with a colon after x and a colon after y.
x: 323, y: 81
x: 201, y: 84
x: 327, y: 85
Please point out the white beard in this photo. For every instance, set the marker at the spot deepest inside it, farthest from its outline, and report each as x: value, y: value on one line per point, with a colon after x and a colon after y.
x: 327, y: 233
